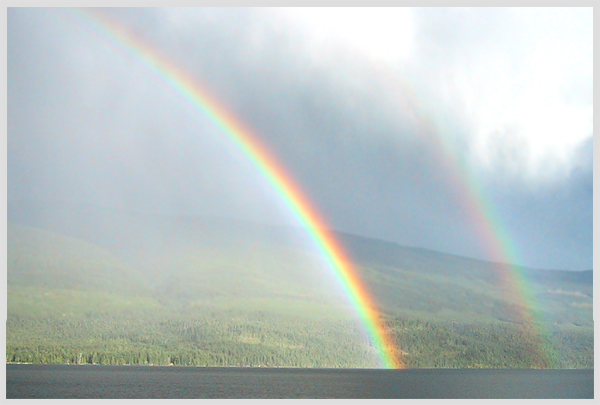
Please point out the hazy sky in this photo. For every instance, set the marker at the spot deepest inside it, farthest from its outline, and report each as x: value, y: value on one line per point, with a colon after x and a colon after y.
x: 437, y: 128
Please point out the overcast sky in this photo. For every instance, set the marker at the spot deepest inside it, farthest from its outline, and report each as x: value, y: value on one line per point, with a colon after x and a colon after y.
x: 406, y: 125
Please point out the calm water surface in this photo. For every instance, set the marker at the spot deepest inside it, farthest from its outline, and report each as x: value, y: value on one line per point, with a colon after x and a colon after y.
x: 61, y: 381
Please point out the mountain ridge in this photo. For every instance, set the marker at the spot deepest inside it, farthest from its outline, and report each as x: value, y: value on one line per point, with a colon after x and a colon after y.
x: 194, y: 263
x: 18, y: 212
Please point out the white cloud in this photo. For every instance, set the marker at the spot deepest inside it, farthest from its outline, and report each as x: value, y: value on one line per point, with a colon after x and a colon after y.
x: 380, y: 34
x: 504, y: 78
x: 533, y: 88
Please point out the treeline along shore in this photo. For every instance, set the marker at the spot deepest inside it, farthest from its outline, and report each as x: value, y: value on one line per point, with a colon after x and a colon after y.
x: 285, y: 342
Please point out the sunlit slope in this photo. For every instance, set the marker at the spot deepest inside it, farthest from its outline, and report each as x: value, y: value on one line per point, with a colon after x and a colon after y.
x: 43, y: 258
x: 247, y: 276
x: 49, y: 274
x: 193, y: 266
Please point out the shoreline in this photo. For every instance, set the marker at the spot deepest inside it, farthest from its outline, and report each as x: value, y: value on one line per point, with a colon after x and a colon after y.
x: 295, y: 367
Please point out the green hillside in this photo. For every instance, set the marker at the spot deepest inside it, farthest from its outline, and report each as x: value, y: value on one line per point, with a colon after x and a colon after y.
x: 188, y: 263
x: 52, y: 270
x: 90, y: 284
x: 248, y: 277
x: 43, y: 258
x: 52, y: 275
x: 423, y: 283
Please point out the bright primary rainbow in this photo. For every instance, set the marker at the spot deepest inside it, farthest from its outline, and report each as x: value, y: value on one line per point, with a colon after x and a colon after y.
x: 493, y: 235
x: 270, y: 169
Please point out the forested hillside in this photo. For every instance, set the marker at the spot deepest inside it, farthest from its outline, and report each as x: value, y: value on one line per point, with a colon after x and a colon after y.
x: 276, y: 341
x: 106, y: 287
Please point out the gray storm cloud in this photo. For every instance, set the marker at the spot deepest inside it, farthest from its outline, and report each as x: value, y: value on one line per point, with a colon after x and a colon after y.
x: 87, y: 122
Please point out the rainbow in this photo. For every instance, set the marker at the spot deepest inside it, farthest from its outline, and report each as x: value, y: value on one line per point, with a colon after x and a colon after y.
x: 493, y: 235
x: 515, y: 285
x: 268, y: 167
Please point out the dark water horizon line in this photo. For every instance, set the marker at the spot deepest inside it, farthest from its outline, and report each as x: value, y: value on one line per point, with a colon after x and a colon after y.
x: 145, y: 381
x: 297, y: 367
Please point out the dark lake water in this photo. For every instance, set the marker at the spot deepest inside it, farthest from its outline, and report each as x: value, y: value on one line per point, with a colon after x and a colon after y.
x: 62, y: 381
